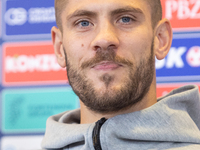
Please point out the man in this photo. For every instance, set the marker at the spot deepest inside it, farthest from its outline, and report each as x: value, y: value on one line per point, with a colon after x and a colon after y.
x: 109, y: 49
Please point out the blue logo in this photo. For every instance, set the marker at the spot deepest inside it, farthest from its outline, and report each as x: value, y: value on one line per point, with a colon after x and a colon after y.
x: 182, y: 62
x: 27, y: 18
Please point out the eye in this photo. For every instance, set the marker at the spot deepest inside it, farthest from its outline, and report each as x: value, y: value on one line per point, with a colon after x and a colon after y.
x: 84, y: 23
x: 126, y: 19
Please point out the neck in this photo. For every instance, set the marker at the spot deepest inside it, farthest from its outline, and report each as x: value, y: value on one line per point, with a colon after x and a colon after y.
x: 88, y: 116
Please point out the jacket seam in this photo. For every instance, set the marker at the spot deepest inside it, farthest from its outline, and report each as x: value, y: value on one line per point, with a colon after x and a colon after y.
x: 105, y: 125
x: 89, y: 141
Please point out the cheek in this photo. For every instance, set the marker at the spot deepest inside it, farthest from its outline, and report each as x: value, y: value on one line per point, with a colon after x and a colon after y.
x: 78, y: 50
x: 135, y: 47
x: 74, y: 51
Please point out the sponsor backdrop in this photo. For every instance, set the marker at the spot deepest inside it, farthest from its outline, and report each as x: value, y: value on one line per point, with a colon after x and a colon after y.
x: 34, y: 87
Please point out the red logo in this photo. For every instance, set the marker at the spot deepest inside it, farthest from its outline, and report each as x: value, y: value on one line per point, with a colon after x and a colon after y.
x: 31, y: 63
x: 164, y: 89
x: 183, y: 14
x: 193, y: 56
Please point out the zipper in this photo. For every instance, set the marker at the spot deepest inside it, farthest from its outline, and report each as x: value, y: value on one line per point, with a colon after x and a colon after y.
x: 96, y: 134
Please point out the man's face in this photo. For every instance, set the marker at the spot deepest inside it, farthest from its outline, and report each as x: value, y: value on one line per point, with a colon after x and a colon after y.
x: 109, y: 51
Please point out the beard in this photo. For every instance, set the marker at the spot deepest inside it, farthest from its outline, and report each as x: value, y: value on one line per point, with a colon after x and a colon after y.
x: 109, y: 100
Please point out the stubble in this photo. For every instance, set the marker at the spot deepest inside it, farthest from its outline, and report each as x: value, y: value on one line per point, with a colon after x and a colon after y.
x: 134, y: 88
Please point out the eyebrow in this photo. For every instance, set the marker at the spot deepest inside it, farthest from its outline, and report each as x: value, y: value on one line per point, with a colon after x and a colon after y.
x: 125, y: 10
x: 80, y: 13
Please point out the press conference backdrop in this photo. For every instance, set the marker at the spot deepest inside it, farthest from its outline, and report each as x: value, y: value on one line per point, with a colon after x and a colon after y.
x: 34, y: 87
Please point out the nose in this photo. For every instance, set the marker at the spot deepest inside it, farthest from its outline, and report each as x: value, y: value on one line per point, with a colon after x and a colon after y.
x: 106, y: 38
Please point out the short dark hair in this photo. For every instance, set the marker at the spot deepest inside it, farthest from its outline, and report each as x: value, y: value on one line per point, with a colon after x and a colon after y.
x: 59, y: 7
x: 156, y: 11
x: 155, y: 5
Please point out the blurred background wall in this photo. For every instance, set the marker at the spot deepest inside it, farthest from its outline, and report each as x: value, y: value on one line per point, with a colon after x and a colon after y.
x: 33, y: 86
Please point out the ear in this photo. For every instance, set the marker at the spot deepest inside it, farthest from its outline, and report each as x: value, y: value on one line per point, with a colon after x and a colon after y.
x: 56, y: 37
x: 163, y: 38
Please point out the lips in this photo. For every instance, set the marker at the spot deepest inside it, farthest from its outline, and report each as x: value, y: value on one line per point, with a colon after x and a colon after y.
x: 106, y: 66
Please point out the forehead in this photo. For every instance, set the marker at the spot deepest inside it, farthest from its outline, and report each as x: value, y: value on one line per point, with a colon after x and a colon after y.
x: 105, y: 6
